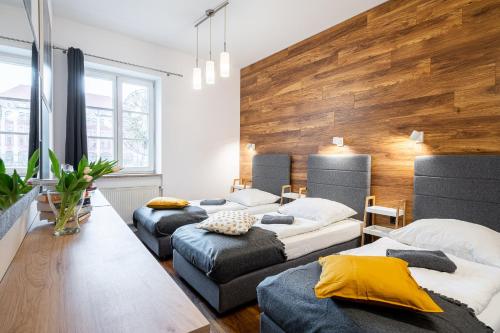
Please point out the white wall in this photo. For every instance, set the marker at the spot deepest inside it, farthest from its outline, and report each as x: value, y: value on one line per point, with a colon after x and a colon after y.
x: 199, y: 129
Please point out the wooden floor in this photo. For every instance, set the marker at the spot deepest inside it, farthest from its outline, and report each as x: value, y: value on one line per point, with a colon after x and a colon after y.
x: 244, y: 319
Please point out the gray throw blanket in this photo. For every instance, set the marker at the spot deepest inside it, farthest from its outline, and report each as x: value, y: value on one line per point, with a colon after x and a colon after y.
x: 224, y: 257
x: 277, y: 219
x: 435, y: 260
x: 164, y: 222
x: 213, y: 202
x: 289, y: 300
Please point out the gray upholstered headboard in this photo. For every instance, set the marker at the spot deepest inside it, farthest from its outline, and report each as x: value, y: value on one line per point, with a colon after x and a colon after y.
x: 459, y: 187
x: 342, y: 178
x: 270, y: 172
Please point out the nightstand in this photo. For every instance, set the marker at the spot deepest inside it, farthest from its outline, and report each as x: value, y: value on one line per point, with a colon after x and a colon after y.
x: 395, y: 214
x: 289, y: 195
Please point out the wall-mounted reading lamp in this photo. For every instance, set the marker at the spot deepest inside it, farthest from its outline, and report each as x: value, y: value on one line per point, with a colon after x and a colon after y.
x: 251, y: 146
x: 417, y: 136
x: 338, y: 141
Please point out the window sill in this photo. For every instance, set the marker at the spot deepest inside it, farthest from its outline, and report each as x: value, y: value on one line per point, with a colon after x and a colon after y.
x: 131, y: 175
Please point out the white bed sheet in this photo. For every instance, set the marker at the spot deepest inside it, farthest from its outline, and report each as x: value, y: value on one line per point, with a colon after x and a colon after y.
x: 233, y: 206
x: 211, y: 209
x: 336, y: 233
x: 305, y: 236
x: 491, y: 314
x: 472, y: 283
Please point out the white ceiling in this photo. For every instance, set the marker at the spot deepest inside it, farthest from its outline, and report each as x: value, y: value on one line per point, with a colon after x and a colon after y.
x: 256, y: 28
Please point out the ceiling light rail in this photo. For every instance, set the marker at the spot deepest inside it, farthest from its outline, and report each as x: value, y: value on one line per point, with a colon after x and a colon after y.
x: 224, y: 60
x: 210, y: 12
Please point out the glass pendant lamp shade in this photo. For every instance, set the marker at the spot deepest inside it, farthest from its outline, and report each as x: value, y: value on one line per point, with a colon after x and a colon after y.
x: 197, y: 78
x: 224, y: 64
x: 210, y: 72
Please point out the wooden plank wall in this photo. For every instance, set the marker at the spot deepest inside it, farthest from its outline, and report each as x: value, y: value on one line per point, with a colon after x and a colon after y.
x: 429, y: 65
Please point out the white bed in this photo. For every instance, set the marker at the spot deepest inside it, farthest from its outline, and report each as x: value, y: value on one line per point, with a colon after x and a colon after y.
x: 305, y: 236
x: 234, y: 206
x: 474, y: 284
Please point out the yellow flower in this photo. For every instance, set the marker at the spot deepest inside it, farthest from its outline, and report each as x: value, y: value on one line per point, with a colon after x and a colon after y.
x: 116, y: 169
x: 87, y: 170
x: 87, y: 178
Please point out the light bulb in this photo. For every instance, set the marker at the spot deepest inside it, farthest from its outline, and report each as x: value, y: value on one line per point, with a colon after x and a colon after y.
x: 224, y: 64
x: 197, y: 78
x: 210, y: 72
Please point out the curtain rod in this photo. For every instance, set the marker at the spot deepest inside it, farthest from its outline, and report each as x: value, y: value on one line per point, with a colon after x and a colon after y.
x: 64, y: 50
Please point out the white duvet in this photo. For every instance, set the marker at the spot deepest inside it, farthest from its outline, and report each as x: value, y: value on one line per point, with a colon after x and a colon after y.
x: 472, y: 283
x: 234, y: 206
x: 299, y: 226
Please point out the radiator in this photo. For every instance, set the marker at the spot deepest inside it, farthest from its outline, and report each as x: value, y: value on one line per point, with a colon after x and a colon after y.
x: 127, y: 199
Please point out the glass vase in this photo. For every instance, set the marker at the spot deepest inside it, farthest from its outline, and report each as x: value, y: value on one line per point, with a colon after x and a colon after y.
x: 66, y: 207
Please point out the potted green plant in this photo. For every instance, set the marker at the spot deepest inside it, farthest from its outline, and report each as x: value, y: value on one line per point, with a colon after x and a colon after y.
x: 68, y: 197
x: 16, y: 193
x: 13, y: 187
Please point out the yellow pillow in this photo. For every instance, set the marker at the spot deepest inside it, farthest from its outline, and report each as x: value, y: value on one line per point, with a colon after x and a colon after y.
x: 372, y: 279
x: 167, y: 203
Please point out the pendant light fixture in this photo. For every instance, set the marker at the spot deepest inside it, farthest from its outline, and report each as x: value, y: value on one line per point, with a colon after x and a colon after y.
x: 197, y: 69
x: 224, y: 56
x: 210, y: 65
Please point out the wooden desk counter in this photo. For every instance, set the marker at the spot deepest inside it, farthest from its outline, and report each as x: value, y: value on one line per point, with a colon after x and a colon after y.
x: 100, y: 280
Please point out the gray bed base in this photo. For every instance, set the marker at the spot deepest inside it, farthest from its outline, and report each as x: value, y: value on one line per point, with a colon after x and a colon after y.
x: 161, y: 246
x: 269, y: 173
x: 267, y: 325
x: 343, y: 178
x: 227, y: 296
x: 462, y: 187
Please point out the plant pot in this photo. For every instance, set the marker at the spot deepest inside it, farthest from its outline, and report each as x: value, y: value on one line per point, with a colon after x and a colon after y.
x: 10, y: 216
x: 66, y: 214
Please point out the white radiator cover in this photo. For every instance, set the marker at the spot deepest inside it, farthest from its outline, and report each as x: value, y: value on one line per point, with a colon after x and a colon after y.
x: 127, y: 199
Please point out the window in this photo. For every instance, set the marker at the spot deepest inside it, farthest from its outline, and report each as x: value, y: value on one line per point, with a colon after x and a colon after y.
x: 120, y: 120
x: 15, y: 92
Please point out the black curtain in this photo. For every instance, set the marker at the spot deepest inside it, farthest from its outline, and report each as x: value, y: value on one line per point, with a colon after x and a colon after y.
x: 34, y: 136
x: 76, y: 128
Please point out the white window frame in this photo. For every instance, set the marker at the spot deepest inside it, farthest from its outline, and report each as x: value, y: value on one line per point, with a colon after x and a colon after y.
x: 16, y: 59
x: 118, y: 79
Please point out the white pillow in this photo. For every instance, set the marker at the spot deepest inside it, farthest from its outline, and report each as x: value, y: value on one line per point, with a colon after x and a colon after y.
x: 252, y: 197
x: 317, y: 209
x: 228, y: 223
x: 466, y: 240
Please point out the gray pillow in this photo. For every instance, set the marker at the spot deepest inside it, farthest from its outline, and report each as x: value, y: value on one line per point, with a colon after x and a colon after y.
x: 435, y: 260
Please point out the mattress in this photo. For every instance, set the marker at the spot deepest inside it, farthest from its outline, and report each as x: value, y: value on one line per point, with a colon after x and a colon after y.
x: 336, y: 233
x: 305, y: 236
x: 233, y: 206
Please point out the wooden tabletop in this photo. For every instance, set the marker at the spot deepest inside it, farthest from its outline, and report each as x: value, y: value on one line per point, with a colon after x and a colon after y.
x: 100, y: 280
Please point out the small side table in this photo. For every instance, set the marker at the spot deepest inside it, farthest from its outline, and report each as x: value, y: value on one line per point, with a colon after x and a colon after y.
x: 291, y: 195
x: 396, y: 215
x: 240, y: 184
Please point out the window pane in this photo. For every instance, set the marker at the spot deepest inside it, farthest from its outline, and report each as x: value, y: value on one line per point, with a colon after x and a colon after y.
x: 98, y: 92
x: 135, y: 126
x: 14, y: 150
x: 135, y: 153
x: 100, y: 123
x: 135, y: 98
x: 100, y: 148
x: 15, y: 90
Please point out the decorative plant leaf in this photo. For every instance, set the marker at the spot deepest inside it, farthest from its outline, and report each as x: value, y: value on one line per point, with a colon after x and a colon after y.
x: 82, y: 165
x: 32, y: 168
x: 2, y: 166
x: 55, y: 166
